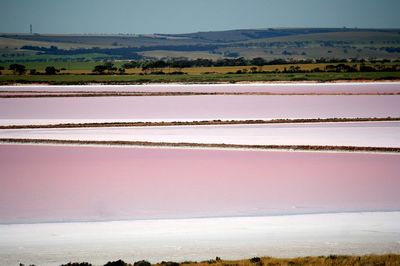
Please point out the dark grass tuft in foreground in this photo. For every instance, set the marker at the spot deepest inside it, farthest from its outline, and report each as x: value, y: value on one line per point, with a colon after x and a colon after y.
x: 331, y: 260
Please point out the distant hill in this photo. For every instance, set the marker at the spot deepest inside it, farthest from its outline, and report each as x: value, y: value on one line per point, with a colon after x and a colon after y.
x: 245, y: 35
x: 270, y: 44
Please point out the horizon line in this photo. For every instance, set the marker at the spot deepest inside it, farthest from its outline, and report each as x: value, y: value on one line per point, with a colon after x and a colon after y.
x: 345, y: 28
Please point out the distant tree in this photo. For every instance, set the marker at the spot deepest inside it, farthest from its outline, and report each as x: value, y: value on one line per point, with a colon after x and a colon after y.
x: 17, y: 69
x: 121, y: 70
x: 253, y: 69
x: 142, y: 263
x: 294, y: 69
x: 116, y: 263
x: 50, y: 70
x: 1, y: 68
x: 100, y: 69
x: 131, y: 64
x: 258, y: 61
x: 110, y: 67
x: 32, y: 72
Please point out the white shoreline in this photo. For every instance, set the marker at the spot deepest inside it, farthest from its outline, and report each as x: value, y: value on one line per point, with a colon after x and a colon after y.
x: 295, y: 88
x: 199, y: 239
x: 274, y: 83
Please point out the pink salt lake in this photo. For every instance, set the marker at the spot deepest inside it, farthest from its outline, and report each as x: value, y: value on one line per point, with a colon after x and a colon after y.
x: 65, y: 183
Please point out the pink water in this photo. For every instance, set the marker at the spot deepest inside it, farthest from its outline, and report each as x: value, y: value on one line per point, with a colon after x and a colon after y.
x: 53, y: 183
x: 200, y: 107
x: 348, y: 87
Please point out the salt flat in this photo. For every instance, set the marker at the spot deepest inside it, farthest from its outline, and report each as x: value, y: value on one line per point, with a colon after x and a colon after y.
x: 367, y: 134
x: 200, y: 239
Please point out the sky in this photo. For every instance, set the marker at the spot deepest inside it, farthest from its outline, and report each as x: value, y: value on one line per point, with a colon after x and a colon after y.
x: 182, y: 16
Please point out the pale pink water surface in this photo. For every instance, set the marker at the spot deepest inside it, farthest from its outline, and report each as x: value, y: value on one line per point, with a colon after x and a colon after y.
x: 199, y: 107
x: 64, y: 183
x: 364, y: 134
x: 345, y: 87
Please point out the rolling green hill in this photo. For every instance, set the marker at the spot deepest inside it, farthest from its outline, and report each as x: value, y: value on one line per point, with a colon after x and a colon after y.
x: 270, y: 44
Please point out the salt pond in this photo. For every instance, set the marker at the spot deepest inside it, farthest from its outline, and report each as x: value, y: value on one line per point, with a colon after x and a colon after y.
x: 195, y: 107
x: 75, y: 183
x: 367, y: 134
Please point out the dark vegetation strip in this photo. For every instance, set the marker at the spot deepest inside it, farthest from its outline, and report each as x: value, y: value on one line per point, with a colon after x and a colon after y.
x: 331, y: 260
x: 203, y: 122
x: 81, y: 79
x: 202, y: 145
x: 54, y: 94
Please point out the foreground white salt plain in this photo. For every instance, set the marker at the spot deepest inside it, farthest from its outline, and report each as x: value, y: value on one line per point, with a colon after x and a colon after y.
x: 368, y: 134
x: 200, y: 239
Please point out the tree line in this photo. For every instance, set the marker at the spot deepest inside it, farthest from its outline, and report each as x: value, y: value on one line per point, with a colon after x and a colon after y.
x: 21, y: 69
x: 241, y: 61
x: 256, y: 66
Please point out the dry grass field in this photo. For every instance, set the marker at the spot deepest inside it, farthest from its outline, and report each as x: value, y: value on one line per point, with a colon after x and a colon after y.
x: 331, y: 260
x: 321, y: 260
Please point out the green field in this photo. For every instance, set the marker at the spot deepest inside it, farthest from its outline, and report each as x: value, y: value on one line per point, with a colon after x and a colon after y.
x: 77, y: 55
x: 208, y: 78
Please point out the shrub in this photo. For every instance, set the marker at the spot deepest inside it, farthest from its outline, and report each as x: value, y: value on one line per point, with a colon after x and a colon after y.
x: 77, y: 264
x: 17, y: 69
x: 169, y: 263
x: 50, y: 70
x: 255, y: 260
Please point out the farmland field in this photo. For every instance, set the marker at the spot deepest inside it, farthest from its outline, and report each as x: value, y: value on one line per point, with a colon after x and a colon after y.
x: 268, y: 43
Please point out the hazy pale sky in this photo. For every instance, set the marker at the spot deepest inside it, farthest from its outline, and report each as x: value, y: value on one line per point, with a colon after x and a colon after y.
x: 180, y: 16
